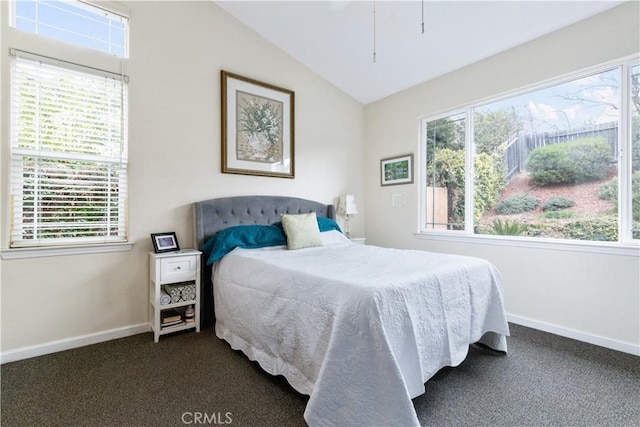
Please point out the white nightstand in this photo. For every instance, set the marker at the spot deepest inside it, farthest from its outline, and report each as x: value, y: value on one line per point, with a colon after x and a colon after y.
x: 359, y: 240
x: 180, y: 269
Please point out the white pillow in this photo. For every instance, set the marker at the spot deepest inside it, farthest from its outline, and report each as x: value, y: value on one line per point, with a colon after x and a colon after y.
x: 302, y: 230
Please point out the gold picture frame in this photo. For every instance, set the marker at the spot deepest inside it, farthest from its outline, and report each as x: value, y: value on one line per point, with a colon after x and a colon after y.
x: 257, y: 127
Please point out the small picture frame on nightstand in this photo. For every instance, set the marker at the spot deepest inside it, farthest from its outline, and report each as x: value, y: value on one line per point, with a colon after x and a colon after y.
x: 165, y: 242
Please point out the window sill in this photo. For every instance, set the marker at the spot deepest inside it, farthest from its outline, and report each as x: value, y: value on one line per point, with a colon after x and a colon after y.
x: 537, y: 243
x: 19, y: 253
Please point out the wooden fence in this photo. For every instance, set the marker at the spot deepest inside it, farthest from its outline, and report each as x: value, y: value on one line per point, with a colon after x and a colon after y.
x: 520, y: 145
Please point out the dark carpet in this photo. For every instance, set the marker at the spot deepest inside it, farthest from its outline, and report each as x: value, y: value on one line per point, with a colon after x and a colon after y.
x: 197, y: 379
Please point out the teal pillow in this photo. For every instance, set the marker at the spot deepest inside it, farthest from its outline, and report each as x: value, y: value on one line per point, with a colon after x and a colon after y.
x: 324, y: 224
x: 242, y: 236
x: 327, y: 224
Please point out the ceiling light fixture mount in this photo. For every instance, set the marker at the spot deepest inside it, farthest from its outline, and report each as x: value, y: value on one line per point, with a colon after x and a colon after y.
x: 374, y: 30
x: 374, y: 26
x: 422, y: 16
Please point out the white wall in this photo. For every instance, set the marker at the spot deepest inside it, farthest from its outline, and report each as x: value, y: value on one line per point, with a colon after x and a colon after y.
x: 177, y: 52
x: 175, y: 160
x: 585, y: 295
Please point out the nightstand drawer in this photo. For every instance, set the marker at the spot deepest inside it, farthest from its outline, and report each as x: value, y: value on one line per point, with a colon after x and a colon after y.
x: 178, y: 269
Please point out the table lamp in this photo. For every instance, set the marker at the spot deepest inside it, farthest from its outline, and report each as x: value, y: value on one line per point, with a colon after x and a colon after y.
x: 346, y: 207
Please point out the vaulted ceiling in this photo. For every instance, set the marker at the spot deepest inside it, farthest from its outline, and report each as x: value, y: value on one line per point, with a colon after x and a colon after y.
x: 336, y: 38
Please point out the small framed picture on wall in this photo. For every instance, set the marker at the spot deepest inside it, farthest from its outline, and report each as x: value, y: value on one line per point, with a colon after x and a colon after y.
x: 396, y: 170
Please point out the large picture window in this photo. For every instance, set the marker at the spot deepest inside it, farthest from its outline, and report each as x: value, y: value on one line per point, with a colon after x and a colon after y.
x: 556, y: 163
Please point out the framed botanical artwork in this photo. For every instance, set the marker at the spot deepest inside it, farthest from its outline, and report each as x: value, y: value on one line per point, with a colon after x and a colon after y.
x: 396, y: 170
x: 165, y: 242
x: 257, y: 127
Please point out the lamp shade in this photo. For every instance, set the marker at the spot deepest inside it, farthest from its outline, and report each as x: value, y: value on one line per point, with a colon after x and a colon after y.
x: 347, y: 205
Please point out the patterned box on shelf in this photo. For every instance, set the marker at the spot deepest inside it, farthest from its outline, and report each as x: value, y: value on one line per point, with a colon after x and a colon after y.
x: 179, y: 292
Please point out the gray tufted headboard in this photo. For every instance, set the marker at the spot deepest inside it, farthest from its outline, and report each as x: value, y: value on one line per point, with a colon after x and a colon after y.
x: 211, y: 216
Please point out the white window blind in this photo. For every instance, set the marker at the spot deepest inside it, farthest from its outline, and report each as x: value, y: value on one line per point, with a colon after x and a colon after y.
x: 68, y: 154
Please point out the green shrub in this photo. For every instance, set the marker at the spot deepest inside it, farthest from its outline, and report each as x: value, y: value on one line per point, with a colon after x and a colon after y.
x: 558, y: 214
x: 608, y: 190
x: 489, y: 182
x: 546, y: 229
x: 576, y: 161
x: 550, y: 165
x: 557, y: 203
x: 508, y: 228
x: 591, y: 157
x: 518, y: 203
x: 449, y: 173
x: 599, y: 229
x: 635, y: 197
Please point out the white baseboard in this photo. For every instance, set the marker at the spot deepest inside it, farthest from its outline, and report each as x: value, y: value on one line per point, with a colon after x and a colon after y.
x: 622, y: 346
x: 74, y: 342
x: 83, y: 340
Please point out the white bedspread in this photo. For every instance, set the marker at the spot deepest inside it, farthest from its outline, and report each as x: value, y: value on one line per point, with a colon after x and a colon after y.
x: 359, y: 329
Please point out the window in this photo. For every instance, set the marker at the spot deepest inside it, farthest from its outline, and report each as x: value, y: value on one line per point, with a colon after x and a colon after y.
x: 68, y: 154
x: 68, y: 130
x: 445, y: 190
x: 78, y: 23
x: 543, y: 164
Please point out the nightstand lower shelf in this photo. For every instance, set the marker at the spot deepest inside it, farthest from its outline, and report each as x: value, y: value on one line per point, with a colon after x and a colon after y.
x: 182, y: 327
x: 158, y: 329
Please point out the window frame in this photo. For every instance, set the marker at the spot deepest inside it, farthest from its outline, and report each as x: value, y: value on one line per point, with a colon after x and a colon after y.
x: 625, y: 244
x: 108, y: 7
x: 70, y: 54
x: 423, y: 168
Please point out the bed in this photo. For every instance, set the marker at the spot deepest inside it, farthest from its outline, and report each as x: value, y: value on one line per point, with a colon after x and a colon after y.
x: 359, y: 329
